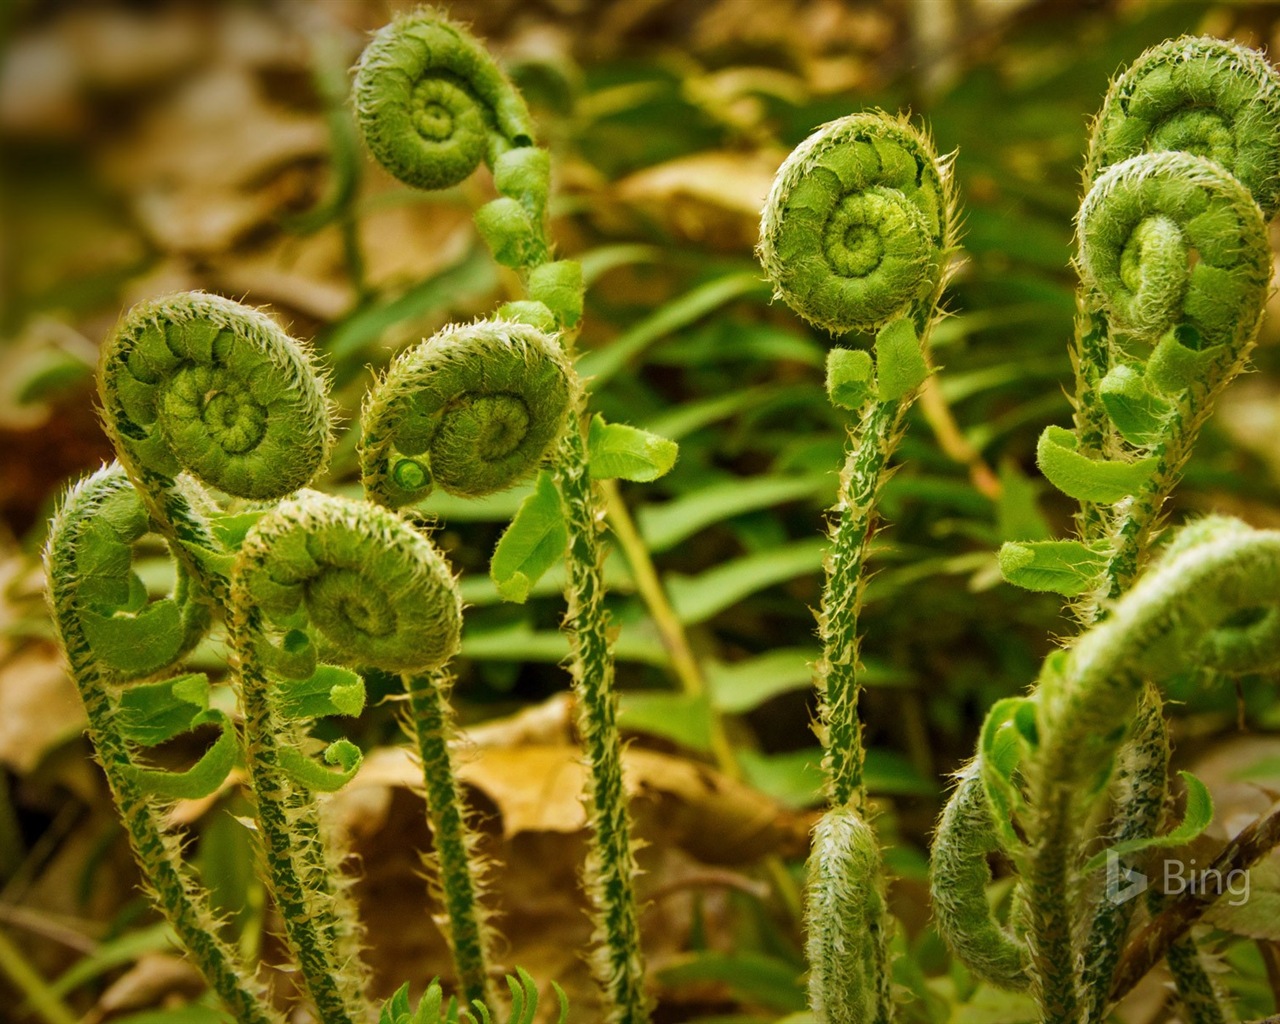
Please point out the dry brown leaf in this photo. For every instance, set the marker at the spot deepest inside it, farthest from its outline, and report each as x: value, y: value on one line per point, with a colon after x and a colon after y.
x: 216, y: 161
x: 712, y: 198
x: 154, y: 979
x: 676, y: 802
x: 39, y: 707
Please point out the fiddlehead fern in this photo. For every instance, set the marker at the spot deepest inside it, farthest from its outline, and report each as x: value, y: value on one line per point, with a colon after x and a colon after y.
x: 958, y: 880
x: 1174, y: 261
x: 1213, y: 601
x: 198, y: 383
x: 342, y: 579
x: 475, y: 409
x: 433, y: 104
x: 846, y: 916
x: 1177, y: 251
x: 1203, y: 96
x: 857, y: 224
x: 856, y: 235
x: 869, y: 182
x: 1139, y: 226
x: 112, y: 636
x: 424, y: 46
x: 1198, y: 95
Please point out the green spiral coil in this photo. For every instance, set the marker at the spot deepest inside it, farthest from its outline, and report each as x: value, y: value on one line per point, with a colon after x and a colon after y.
x: 199, y: 383
x: 376, y: 591
x: 1203, y: 96
x: 855, y: 231
x: 474, y: 409
x: 433, y: 104
x: 1171, y: 239
x: 128, y: 636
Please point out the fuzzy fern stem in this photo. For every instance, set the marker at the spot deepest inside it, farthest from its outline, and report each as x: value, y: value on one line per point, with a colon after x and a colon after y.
x: 855, y: 235
x: 461, y: 878
x: 433, y: 105
x: 105, y: 505
x: 323, y: 574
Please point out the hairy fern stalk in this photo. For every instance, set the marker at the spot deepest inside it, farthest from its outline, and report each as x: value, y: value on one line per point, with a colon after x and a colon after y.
x: 1182, y: 172
x: 856, y: 235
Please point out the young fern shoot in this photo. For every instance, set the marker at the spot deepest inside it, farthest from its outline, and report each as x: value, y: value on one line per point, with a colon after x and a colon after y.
x: 197, y: 384
x: 856, y: 235
x: 472, y: 410
x: 433, y: 105
x: 316, y: 576
x: 113, y: 639
x: 1174, y: 262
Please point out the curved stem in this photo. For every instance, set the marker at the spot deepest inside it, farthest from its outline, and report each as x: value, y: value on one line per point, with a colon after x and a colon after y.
x: 296, y: 865
x: 611, y: 866
x: 865, y: 470
x: 1141, y: 787
x: 172, y: 883
x: 461, y: 885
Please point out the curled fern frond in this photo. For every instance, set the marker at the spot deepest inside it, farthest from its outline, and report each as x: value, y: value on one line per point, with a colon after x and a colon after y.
x: 199, y: 383
x: 127, y: 636
x: 1140, y: 226
x: 1215, y: 99
x: 856, y: 229
x: 474, y: 409
x: 375, y: 590
x: 111, y: 635
x: 433, y: 104
x: 958, y: 880
x: 321, y: 576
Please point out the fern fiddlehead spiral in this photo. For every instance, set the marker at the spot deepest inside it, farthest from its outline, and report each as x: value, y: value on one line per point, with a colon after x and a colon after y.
x: 474, y: 409
x: 112, y: 639
x: 324, y: 576
x: 855, y: 235
x: 197, y: 383
x: 433, y: 104
x: 1210, y: 98
x: 855, y: 228
x: 1199, y: 95
x: 1140, y: 226
x: 1211, y: 600
x: 422, y: 48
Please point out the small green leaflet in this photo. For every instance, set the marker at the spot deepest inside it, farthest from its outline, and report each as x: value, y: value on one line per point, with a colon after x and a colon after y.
x: 151, y: 713
x: 618, y: 451
x: 900, y: 365
x: 329, y: 690
x: 532, y: 544
x: 1085, y: 479
x: 849, y: 377
x: 1196, y: 819
x: 1177, y: 361
x: 202, y: 778
x: 1137, y: 413
x: 343, y: 754
x: 138, y: 643
x: 1066, y: 567
x: 1000, y: 750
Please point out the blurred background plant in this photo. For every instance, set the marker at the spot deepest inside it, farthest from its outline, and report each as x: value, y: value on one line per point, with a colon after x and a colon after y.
x: 158, y: 147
